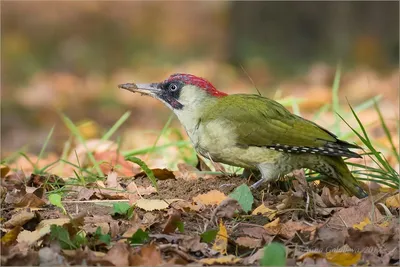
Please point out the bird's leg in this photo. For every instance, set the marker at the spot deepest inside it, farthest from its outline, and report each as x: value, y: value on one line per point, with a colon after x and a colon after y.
x: 268, y: 171
x: 247, y: 173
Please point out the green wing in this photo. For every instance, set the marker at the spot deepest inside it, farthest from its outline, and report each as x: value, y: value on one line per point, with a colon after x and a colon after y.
x: 260, y: 121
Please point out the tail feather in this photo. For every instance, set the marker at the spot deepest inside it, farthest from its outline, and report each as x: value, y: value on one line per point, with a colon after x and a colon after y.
x: 344, y: 177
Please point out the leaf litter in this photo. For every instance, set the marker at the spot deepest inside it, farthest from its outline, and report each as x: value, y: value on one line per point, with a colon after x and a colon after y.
x: 192, y: 219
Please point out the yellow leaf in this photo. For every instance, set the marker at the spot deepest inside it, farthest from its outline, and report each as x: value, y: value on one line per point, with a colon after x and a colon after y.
x: 4, y: 170
x: 343, y: 258
x: 264, y: 210
x: 11, y: 236
x: 384, y: 224
x: 213, y: 197
x: 393, y: 201
x: 88, y: 129
x: 221, y: 240
x: 154, y: 204
x: 312, y: 255
x: 227, y: 260
x: 361, y: 225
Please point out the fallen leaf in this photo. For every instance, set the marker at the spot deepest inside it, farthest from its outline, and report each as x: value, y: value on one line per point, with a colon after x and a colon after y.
x: 393, y: 201
x: 289, y: 229
x: 11, y: 236
x: 213, y: 197
x: 350, y: 216
x: 160, y: 174
x: 19, y: 254
x: 112, y: 180
x: 149, y: 255
x: 273, y: 227
x: 150, y: 218
x: 172, y: 222
x: 221, y: 240
x: 119, y: 254
x: 19, y: 219
x: 224, y: 260
x: 226, y: 209
x: 41, y: 230
x: 248, y: 242
x: 4, y: 169
x: 244, y: 196
x: 30, y: 200
x: 253, y: 258
x: 154, y: 204
x: 361, y: 225
x: 265, y: 211
x: 85, y: 193
x: 343, y: 258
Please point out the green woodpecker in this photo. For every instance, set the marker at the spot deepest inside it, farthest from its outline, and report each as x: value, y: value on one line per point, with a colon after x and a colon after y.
x: 251, y: 131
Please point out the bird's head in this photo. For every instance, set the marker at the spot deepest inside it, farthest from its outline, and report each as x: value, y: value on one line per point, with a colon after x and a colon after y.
x: 178, y: 91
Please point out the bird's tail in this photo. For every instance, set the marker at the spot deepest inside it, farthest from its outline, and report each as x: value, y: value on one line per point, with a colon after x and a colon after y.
x: 344, y: 177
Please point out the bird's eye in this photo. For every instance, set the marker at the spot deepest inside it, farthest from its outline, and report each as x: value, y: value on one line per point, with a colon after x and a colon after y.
x: 173, y: 87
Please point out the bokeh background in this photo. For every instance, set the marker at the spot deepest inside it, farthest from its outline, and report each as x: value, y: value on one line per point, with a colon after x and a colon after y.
x: 69, y: 57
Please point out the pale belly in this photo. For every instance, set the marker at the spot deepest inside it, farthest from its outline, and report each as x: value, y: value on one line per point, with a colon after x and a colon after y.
x: 218, y: 141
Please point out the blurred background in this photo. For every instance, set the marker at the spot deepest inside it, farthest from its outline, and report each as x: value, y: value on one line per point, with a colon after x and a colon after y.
x: 70, y: 56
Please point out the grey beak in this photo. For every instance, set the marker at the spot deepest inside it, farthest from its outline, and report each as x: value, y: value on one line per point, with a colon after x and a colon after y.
x: 143, y: 88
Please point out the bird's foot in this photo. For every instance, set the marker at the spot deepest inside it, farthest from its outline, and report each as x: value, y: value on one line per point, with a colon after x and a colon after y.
x: 257, y: 184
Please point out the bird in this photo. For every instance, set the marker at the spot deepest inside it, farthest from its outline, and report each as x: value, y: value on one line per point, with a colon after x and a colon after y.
x: 252, y: 131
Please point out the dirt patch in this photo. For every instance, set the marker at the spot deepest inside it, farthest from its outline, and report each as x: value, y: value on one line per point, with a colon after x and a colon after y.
x: 184, y: 189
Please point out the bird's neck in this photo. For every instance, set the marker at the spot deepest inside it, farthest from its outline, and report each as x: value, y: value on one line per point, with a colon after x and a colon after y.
x: 190, y: 116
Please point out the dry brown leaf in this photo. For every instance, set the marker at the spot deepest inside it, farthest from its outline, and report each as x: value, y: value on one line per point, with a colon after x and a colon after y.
x: 213, y: 197
x: 30, y: 200
x: 327, y: 197
x: 160, y: 174
x: 149, y: 255
x: 85, y: 193
x: 224, y: 260
x: 248, y: 242
x: 226, y: 209
x: 112, y: 180
x: 265, y: 211
x: 19, y: 254
x: 289, y: 229
x: 154, y: 204
x: 119, y: 254
x: 41, y: 230
x: 221, y: 240
x: 172, y: 222
x: 19, y: 219
x: 150, y: 218
x: 348, y: 217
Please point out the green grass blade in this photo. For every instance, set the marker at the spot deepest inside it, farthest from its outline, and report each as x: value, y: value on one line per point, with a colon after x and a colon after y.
x: 321, y: 111
x: 115, y: 127
x: 162, y: 132
x: 335, y: 98
x: 29, y: 160
x: 43, y: 170
x: 367, y: 104
x: 387, y: 132
x: 72, y: 127
x: 145, y: 150
x: 146, y: 170
x: 45, y: 145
